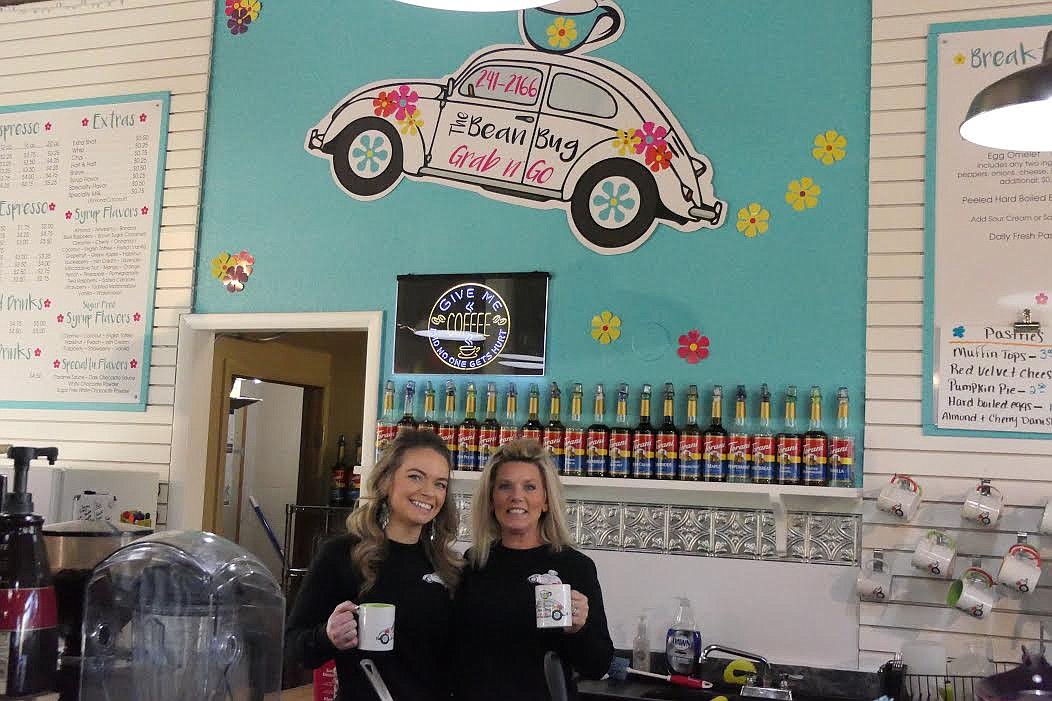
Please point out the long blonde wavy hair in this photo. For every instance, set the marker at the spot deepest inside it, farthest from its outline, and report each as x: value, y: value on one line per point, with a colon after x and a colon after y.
x: 485, y: 529
x: 365, y: 522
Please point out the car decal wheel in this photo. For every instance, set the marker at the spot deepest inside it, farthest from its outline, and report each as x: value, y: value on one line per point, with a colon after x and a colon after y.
x: 370, y: 154
x: 367, y: 157
x: 614, y: 202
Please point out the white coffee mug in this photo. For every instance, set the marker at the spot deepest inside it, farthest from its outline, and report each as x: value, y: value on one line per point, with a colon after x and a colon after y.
x: 973, y: 593
x: 901, y: 497
x: 376, y: 627
x: 1020, y: 568
x: 936, y: 553
x: 554, y: 609
x: 983, y: 506
x: 1046, y: 519
x: 874, y: 581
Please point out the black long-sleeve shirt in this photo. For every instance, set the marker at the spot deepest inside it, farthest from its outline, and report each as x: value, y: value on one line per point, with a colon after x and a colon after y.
x: 499, y: 649
x: 418, y: 667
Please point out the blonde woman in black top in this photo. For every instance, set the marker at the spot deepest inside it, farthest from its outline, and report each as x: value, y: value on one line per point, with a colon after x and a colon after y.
x: 398, y: 551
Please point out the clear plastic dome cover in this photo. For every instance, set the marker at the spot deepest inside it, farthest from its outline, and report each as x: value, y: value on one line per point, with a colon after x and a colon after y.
x: 182, y: 614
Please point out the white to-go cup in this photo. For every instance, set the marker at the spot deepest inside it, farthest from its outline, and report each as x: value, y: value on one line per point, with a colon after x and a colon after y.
x: 1046, y: 519
x: 874, y: 581
x: 973, y: 593
x: 983, y: 506
x: 554, y: 609
x: 1020, y: 568
x: 936, y: 553
x: 901, y: 497
x: 376, y: 627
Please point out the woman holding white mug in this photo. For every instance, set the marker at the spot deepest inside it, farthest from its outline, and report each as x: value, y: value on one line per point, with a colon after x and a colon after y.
x: 521, y: 550
x: 398, y: 553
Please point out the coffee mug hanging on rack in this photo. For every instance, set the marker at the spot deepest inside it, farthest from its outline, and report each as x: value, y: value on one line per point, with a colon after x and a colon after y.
x: 973, y: 593
x: 936, y: 553
x: 901, y: 497
x: 874, y: 579
x: 984, y: 505
x: 1020, y: 568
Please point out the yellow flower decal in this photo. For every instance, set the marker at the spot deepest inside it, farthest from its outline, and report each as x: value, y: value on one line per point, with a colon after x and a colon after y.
x: 829, y: 147
x: 753, y: 220
x: 412, y: 123
x: 626, y: 141
x: 220, y: 263
x: 606, y: 327
x: 803, y: 194
x: 561, y: 32
x: 959, y: 59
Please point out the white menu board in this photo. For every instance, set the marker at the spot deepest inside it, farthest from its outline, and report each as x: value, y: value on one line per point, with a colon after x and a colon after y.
x: 992, y: 378
x: 80, y: 201
x: 989, y: 212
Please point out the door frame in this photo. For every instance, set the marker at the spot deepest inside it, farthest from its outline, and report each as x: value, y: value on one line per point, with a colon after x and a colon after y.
x: 193, y: 385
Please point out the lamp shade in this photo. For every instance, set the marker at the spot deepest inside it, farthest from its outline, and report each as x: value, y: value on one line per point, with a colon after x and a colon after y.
x: 478, y: 5
x: 1015, y: 112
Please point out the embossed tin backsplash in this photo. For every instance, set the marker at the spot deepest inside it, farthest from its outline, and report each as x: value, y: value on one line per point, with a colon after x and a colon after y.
x: 670, y: 529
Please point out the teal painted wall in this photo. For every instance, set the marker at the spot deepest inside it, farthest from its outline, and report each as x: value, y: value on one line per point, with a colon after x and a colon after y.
x: 752, y: 83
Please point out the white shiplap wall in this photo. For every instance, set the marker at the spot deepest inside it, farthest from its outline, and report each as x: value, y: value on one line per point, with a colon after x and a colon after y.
x: 71, y: 50
x: 946, y: 467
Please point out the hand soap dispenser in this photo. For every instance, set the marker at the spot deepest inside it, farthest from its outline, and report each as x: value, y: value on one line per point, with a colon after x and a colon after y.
x: 683, y: 642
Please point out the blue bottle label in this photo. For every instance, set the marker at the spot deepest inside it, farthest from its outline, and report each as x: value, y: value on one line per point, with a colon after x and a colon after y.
x: 682, y: 648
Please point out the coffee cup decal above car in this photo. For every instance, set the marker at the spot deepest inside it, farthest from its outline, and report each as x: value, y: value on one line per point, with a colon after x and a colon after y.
x: 538, y: 125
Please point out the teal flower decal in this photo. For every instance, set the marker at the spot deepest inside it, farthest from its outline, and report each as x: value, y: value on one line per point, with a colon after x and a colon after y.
x: 614, y: 202
x: 958, y: 332
x: 370, y: 153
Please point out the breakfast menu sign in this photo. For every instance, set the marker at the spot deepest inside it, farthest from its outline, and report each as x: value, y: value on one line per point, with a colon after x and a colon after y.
x: 80, y: 200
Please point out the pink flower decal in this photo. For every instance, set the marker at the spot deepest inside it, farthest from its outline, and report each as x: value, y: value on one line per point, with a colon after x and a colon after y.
x: 385, y: 105
x: 650, y: 136
x: 1041, y: 298
x: 36, y: 352
x: 51, y: 207
x: 84, y: 122
x: 56, y: 365
x: 235, y: 278
x: 60, y: 318
x: 145, y: 210
x: 693, y: 346
x: 47, y: 126
x: 69, y: 214
x: 47, y: 304
x: 142, y: 117
x: 136, y: 316
x: 134, y: 363
x: 404, y: 101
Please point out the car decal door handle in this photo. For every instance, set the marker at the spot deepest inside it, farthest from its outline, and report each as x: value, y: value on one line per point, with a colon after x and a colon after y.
x: 525, y: 118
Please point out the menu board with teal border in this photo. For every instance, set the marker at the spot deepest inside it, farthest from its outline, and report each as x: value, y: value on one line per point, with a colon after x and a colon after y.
x: 80, y: 210
x: 988, y: 241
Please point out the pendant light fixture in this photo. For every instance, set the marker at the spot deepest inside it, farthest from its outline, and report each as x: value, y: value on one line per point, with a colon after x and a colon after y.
x: 1015, y: 113
x: 478, y: 5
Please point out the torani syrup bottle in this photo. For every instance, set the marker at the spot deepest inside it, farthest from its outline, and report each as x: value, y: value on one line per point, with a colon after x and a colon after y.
x: 573, y: 440
x: 447, y: 431
x: 533, y: 429
x: 407, y: 422
x: 554, y: 432
x: 386, y: 428
x: 429, y: 423
x: 666, y: 442
x: 763, y: 442
x: 621, y: 436
x: 788, y: 443
x: 489, y: 431
x: 816, y: 445
x: 643, y: 439
x: 597, y: 439
x: 690, y: 440
x: 714, y: 442
x: 468, y: 434
x: 842, y: 446
x: 339, y: 475
x: 738, y: 441
x: 509, y: 429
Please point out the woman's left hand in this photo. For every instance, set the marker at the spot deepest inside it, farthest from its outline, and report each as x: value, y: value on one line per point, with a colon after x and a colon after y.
x: 579, y: 611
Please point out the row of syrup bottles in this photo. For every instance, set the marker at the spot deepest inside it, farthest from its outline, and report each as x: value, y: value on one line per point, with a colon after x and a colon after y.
x: 742, y: 453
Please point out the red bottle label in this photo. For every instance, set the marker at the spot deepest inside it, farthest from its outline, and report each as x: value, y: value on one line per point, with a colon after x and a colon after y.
x: 814, y: 459
x: 508, y: 433
x: 553, y: 441
x: 714, y: 447
x: 763, y: 458
x: 841, y: 460
x: 573, y: 452
x: 620, y: 453
x: 738, y: 456
x: 596, y: 449
x: 385, y: 433
x: 643, y: 455
x: 27, y: 609
x: 488, y: 442
x: 449, y: 435
x: 666, y: 451
x: 533, y: 434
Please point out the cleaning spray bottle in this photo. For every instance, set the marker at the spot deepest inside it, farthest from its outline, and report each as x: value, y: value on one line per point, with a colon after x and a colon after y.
x: 683, y: 642
x: 28, y: 613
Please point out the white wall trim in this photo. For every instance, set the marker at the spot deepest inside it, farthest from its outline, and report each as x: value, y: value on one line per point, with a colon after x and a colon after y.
x: 197, y: 333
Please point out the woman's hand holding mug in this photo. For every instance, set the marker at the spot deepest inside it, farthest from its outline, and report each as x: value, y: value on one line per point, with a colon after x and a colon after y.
x: 578, y: 611
x: 342, y: 627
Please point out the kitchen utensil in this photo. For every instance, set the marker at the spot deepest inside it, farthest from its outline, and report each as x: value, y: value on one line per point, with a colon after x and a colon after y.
x: 925, y: 657
x: 677, y: 679
x: 935, y: 553
x: 376, y: 623
x: 266, y: 527
x: 555, y: 677
x: 553, y: 606
x: 901, y: 497
x: 973, y: 593
x: 983, y: 506
x: 584, y: 21
x: 373, y: 675
x: 1020, y: 568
